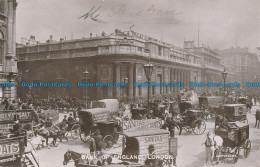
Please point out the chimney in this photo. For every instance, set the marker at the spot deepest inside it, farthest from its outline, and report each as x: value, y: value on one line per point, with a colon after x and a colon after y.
x: 90, y: 35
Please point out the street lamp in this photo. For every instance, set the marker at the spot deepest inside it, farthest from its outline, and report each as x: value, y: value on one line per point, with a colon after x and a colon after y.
x: 224, y: 76
x: 125, y: 82
x: 85, y: 74
x: 148, y: 69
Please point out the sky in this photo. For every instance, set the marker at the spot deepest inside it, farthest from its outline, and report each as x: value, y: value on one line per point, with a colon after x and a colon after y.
x: 221, y: 24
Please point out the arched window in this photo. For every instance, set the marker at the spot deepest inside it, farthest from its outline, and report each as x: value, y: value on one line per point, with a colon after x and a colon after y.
x: 1, y: 47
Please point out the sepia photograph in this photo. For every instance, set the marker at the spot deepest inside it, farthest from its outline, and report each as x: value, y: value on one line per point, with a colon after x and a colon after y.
x: 129, y: 83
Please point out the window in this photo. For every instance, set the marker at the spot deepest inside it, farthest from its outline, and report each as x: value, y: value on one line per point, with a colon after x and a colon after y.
x: 140, y: 49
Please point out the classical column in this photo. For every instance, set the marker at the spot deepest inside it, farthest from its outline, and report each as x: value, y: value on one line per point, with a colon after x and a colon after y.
x: 131, y: 81
x: 178, y: 79
x: 117, y: 80
x: 171, y: 80
x: 14, y: 27
x: 181, y: 77
x: 10, y: 29
x: 187, y: 80
x: 164, y: 78
x: 175, y: 80
x: 155, y: 80
x: 110, y: 79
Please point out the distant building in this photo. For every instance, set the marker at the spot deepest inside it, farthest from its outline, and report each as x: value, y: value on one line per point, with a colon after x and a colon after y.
x: 113, y: 58
x: 8, y: 64
x: 245, y: 64
x: 210, y: 60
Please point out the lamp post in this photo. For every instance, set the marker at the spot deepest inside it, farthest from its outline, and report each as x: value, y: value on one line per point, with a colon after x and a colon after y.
x: 85, y: 74
x: 125, y: 82
x: 148, y: 69
x: 224, y: 76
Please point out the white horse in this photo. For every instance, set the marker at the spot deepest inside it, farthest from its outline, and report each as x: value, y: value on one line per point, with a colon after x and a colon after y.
x: 213, y: 145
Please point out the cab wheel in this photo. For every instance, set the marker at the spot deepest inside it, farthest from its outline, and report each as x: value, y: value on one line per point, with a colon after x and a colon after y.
x: 247, y: 148
x: 84, y: 136
x: 75, y: 131
x: 108, y: 142
x: 235, y: 155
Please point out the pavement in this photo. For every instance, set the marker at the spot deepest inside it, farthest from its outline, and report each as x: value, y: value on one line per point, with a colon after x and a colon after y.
x: 190, y: 151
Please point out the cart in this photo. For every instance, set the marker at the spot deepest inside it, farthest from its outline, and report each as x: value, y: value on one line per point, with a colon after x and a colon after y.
x: 136, y: 145
x: 231, y: 113
x: 191, y: 121
x: 235, y: 137
x: 98, y: 119
x: 88, y: 120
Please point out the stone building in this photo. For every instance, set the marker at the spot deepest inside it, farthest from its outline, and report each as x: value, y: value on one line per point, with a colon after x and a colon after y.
x: 8, y: 60
x: 114, y: 58
x: 245, y: 63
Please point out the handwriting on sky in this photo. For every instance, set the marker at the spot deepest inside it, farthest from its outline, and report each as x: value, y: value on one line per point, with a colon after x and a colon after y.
x: 126, y: 14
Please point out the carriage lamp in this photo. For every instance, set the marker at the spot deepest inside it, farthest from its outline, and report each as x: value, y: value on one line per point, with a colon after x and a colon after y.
x: 148, y: 69
x: 85, y: 74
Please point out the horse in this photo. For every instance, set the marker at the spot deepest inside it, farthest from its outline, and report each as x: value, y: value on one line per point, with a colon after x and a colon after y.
x: 257, y: 117
x: 63, y: 130
x: 76, y: 157
x: 213, y: 145
x: 50, y: 132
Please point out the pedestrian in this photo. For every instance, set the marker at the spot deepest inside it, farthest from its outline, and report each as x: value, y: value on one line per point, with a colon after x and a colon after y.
x: 151, y: 159
x: 98, y: 139
x: 92, y: 145
x: 208, y: 148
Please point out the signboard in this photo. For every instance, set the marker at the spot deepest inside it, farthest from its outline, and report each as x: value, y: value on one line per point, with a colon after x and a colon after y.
x: 9, y: 148
x: 173, y: 146
x: 5, y: 128
x: 142, y: 125
x: 160, y: 142
x: 7, y: 116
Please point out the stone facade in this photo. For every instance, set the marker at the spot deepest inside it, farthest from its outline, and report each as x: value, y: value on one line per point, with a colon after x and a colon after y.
x: 108, y: 58
x: 8, y: 60
x: 245, y: 64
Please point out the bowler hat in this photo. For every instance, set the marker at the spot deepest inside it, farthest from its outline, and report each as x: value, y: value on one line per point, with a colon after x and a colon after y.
x: 151, y: 147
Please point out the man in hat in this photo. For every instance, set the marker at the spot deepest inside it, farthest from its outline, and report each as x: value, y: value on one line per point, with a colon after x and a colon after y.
x: 16, y: 126
x: 98, y: 139
x: 151, y: 160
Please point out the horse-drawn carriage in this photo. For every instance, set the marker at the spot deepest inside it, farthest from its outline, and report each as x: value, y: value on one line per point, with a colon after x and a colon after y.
x: 231, y: 113
x: 91, y: 120
x: 191, y: 121
x: 235, y: 137
x: 70, y: 127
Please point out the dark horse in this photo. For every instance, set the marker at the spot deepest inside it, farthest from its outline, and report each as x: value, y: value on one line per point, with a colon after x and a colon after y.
x: 50, y: 132
x: 257, y: 117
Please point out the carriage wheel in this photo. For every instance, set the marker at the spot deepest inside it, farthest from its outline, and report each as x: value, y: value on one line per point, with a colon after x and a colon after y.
x: 199, y: 127
x: 236, y: 155
x: 84, y: 136
x: 108, y: 142
x: 247, y: 148
x: 75, y: 131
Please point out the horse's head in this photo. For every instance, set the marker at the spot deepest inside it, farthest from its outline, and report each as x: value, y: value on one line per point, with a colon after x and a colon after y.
x: 67, y: 157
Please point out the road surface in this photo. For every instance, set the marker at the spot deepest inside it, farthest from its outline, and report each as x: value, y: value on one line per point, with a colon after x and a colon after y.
x: 190, y: 151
